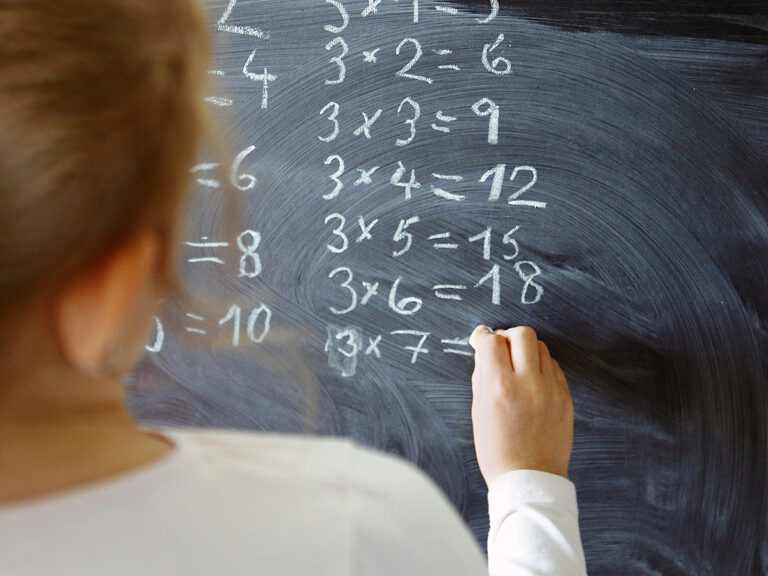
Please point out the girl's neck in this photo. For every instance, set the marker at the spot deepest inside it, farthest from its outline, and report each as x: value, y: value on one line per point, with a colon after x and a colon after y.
x: 57, y: 435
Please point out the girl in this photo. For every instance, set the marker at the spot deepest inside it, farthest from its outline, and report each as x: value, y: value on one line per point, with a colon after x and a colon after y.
x: 100, y: 116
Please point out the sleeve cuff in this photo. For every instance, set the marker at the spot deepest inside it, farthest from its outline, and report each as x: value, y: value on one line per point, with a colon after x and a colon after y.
x: 518, y: 487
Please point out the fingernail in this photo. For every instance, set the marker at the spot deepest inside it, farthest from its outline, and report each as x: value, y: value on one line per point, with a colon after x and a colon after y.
x: 482, y: 329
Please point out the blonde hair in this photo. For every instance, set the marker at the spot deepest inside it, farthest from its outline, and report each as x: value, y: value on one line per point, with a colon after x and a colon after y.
x: 101, y: 111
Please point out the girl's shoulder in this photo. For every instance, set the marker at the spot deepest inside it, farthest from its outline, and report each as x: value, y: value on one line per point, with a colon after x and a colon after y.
x: 229, y: 501
x: 389, y: 516
x: 321, y: 461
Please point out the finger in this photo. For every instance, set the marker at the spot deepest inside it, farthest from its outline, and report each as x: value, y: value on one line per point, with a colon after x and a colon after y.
x: 559, y: 375
x: 566, y: 388
x: 524, y: 346
x: 545, y: 362
x: 503, y: 333
x: 491, y: 351
x: 477, y: 333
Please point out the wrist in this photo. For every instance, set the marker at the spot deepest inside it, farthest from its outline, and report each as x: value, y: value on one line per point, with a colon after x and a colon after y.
x: 535, y: 466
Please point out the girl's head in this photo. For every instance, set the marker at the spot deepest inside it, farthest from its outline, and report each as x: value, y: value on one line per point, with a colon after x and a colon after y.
x: 100, y: 116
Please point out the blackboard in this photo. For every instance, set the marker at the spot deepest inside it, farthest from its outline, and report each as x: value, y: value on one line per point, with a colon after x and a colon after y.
x: 406, y: 170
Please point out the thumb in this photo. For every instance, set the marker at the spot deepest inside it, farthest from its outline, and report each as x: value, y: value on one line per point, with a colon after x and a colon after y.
x: 478, y: 333
x: 491, y: 349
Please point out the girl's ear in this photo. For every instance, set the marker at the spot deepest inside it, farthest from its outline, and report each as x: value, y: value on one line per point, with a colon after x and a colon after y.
x: 105, y: 308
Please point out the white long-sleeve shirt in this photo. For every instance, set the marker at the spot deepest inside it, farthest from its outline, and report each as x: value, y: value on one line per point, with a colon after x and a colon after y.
x: 231, y: 503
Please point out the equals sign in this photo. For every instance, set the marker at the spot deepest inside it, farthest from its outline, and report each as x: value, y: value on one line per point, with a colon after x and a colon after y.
x: 444, y: 291
x: 464, y: 342
x: 442, y: 245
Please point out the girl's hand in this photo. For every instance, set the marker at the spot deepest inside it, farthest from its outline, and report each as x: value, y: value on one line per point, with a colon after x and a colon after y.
x: 522, y: 413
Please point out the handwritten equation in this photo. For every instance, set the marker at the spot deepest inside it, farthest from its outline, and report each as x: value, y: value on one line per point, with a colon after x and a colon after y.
x: 419, y: 65
x: 242, y: 326
x: 499, y: 254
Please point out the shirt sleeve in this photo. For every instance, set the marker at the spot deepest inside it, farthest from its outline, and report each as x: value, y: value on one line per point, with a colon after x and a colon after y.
x: 534, y: 527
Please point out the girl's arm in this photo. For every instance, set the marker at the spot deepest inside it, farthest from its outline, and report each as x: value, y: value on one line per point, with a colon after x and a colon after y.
x: 523, y: 425
x: 534, y: 526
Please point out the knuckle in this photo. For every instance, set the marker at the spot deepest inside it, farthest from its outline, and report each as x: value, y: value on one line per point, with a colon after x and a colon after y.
x: 496, y: 340
x: 536, y: 383
x: 486, y: 380
x: 488, y: 343
x: 500, y: 390
x: 500, y: 396
x: 565, y: 404
x: 523, y: 333
x: 539, y: 401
